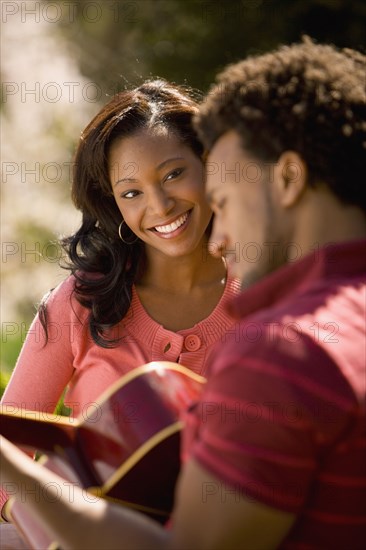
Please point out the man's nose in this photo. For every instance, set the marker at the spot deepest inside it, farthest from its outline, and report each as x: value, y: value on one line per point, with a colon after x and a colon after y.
x: 216, y: 244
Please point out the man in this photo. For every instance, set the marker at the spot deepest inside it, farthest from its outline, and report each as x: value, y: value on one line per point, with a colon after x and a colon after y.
x: 276, y: 448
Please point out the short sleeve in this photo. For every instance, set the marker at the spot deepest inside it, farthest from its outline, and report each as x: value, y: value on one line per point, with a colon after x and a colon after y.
x: 265, y: 419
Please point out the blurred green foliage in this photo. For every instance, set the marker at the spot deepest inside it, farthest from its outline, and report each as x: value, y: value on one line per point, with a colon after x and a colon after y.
x: 44, y: 249
x: 4, y: 379
x: 190, y: 40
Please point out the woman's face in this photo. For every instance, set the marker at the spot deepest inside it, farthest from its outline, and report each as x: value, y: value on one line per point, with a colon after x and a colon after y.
x: 158, y: 185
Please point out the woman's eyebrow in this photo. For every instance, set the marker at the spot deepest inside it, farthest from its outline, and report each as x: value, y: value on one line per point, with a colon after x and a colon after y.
x: 162, y: 164
x: 125, y: 180
x: 158, y: 167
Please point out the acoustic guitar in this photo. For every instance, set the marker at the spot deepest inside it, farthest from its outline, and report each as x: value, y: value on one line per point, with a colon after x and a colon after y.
x: 125, y: 447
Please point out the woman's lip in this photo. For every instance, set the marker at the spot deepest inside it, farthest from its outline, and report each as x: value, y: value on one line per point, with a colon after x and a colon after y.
x: 176, y: 231
x: 169, y: 222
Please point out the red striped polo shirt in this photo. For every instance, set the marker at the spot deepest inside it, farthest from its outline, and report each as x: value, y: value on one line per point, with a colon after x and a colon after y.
x: 282, y: 419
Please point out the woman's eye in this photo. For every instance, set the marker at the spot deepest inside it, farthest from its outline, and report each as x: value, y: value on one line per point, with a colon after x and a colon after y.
x: 129, y: 194
x: 174, y: 174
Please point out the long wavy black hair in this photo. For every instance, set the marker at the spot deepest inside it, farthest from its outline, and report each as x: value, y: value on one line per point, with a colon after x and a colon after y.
x: 105, y: 267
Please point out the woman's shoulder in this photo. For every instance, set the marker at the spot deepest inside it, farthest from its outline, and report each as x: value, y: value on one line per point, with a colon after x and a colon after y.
x: 62, y: 301
x: 67, y: 288
x: 62, y: 292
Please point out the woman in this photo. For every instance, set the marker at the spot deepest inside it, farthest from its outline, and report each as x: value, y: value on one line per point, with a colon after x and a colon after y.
x: 142, y: 286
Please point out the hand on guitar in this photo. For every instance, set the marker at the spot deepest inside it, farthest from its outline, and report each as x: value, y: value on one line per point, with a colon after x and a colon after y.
x: 17, y: 468
x: 10, y: 539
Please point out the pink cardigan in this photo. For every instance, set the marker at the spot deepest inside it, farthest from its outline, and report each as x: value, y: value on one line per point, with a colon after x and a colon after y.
x: 71, y: 359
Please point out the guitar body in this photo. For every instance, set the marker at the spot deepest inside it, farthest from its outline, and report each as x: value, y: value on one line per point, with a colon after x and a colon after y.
x: 127, y: 445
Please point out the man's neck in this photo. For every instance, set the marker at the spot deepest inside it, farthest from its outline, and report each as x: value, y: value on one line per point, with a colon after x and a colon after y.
x: 324, y: 220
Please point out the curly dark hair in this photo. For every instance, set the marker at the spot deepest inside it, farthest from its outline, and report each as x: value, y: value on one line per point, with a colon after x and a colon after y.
x: 307, y: 97
x: 105, y: 267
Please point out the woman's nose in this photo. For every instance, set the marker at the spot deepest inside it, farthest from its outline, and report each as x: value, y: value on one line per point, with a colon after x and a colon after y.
x: 159, y: 202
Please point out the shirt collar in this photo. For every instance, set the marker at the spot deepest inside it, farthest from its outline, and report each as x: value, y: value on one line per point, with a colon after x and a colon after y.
x: 331, y: 261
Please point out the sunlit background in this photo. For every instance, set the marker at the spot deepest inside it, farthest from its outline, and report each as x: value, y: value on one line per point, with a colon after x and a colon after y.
x: 61, y: 60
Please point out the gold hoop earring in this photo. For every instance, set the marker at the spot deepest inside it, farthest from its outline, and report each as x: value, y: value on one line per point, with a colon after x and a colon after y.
x: 120, y: 234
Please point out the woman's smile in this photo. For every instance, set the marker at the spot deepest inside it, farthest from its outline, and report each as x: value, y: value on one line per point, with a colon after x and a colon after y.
x: 174, y: 227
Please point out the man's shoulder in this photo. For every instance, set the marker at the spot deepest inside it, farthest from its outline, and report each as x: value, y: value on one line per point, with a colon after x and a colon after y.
x: 315, y: 338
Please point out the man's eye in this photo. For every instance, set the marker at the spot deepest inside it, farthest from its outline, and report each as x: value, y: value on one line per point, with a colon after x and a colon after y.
x: 174, y: 174
x: 218, y: 207
x: 218, y: 204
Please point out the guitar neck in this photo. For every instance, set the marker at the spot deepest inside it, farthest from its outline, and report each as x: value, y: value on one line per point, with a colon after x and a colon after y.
x: 36, y: 430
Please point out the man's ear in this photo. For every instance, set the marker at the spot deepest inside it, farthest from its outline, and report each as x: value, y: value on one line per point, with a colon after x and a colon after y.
x: 291, y: 177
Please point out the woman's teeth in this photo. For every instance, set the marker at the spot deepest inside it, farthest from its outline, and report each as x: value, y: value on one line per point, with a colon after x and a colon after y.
x: 172, y: 226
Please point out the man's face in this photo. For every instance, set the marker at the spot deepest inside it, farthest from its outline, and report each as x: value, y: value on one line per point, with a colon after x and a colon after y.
x: 247, y: 224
